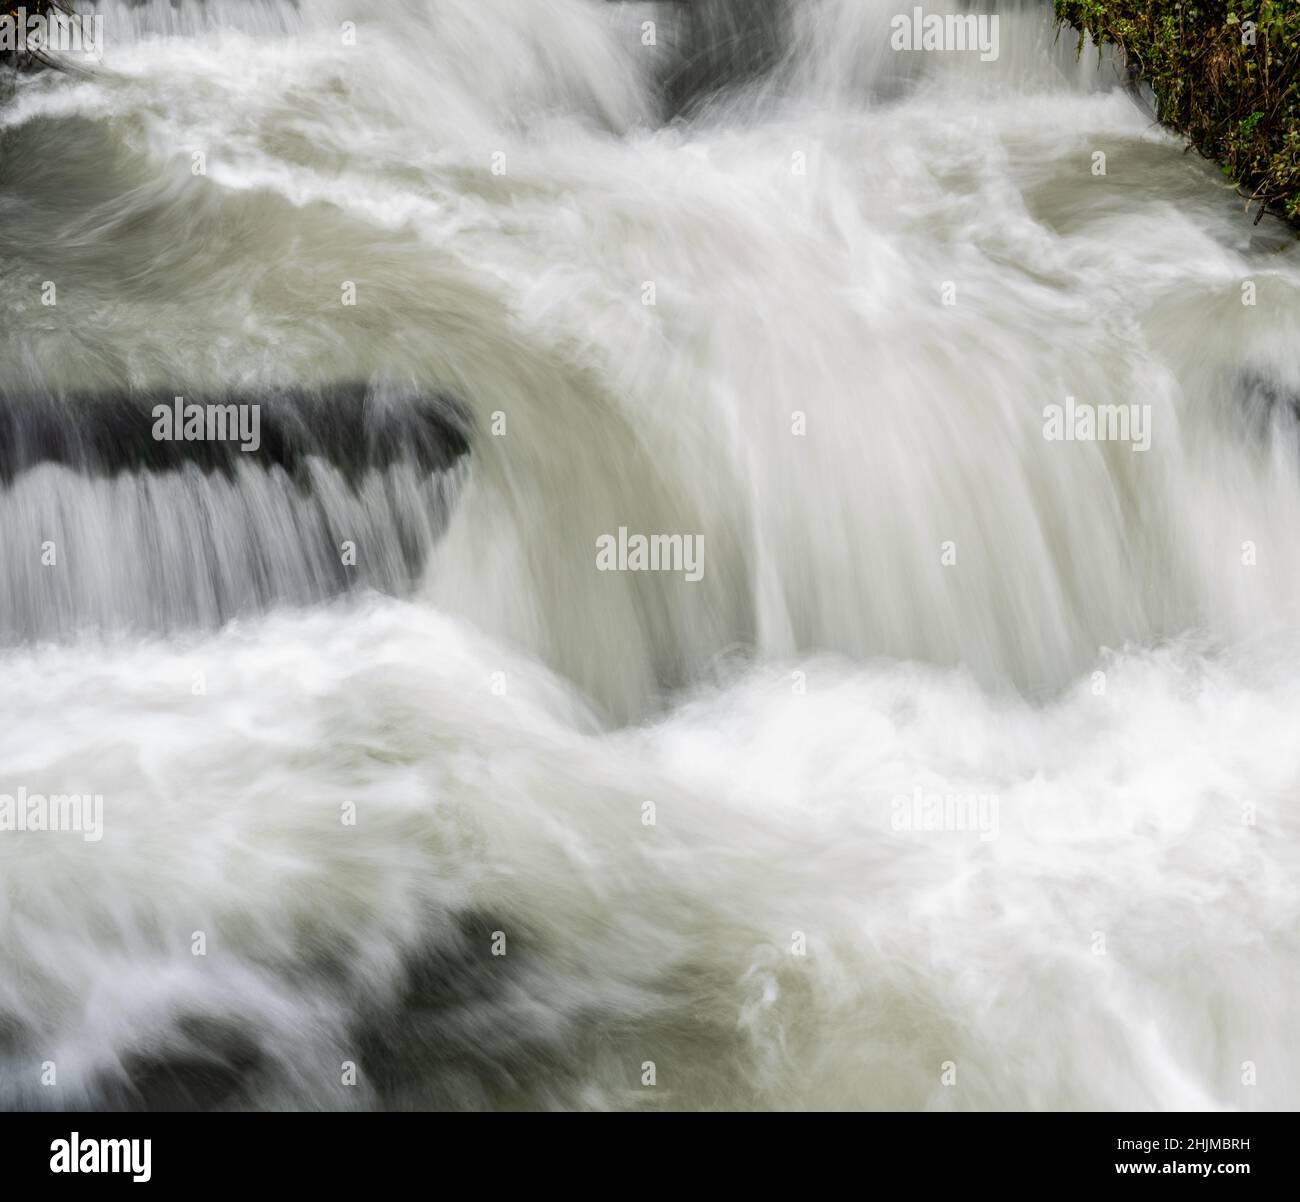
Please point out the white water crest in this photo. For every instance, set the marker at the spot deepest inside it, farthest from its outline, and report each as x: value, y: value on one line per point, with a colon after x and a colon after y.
x: 675, y: 801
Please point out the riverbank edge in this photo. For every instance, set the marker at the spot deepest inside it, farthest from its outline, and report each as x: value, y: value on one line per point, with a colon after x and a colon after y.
x: 1225, y: 75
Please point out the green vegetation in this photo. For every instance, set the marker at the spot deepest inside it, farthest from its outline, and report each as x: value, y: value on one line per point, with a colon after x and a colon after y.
x: 1225, y: 73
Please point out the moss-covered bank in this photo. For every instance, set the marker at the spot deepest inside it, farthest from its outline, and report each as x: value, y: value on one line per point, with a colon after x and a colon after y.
x: 1226, y: 73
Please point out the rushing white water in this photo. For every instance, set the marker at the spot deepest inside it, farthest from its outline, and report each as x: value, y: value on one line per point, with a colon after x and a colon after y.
x: 906, y: 586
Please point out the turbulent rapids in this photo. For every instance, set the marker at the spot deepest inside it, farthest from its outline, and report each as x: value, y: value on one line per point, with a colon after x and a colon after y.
x: 942, y: 762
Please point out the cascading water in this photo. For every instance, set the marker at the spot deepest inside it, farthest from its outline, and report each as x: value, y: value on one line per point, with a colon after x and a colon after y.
x: 159, y: 534
x: 672, y: 804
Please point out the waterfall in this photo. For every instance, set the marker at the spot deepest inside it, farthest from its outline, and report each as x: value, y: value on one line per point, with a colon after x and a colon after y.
x: 976, y: 398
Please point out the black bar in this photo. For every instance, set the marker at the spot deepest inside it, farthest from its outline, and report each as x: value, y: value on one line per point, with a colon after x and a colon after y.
x: 337, y: 1151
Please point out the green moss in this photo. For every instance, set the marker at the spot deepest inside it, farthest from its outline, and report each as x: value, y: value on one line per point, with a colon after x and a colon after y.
x: 1225, y: 73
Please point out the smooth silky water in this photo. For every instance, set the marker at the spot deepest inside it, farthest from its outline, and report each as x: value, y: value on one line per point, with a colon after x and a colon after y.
x: 672, y: 804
